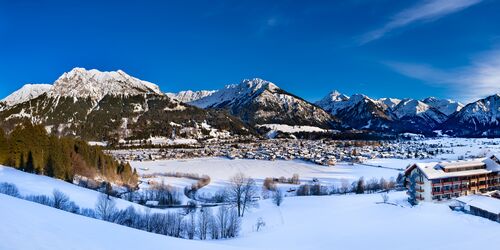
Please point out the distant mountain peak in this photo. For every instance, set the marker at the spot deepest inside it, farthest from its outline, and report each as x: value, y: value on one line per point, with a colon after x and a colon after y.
x: 96, y: 84
x: 26, y: 93
x: 189, y: 95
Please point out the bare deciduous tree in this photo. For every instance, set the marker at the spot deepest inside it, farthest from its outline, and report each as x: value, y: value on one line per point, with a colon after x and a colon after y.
x: 60, y: 200
x: 242, y: 192
x: 105, y: 207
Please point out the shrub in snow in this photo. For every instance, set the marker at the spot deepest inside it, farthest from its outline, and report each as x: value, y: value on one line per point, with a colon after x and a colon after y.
x: 385, y: 197
x: 60, y: 200
x: 260, y: 224
x: 40, y: 199
x: 190, y: 207
x: 278, y: 197
x: 9, y: 189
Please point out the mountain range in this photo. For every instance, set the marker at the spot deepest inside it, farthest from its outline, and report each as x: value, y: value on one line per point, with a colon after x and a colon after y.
x: 113, y: 105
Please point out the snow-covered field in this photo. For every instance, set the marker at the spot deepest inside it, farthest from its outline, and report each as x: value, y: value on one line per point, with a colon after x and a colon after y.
x: 323, y: 222
x: 221, y: 170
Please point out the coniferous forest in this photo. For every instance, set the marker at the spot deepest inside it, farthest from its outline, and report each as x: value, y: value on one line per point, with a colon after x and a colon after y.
x: 31, y: 149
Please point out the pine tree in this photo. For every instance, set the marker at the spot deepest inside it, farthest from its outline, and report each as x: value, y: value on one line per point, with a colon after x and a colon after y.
x: 4, y: 147
x: 30, y: 165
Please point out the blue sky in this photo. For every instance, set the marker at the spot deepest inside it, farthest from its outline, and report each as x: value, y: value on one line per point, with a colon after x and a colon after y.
x: 382, y: 48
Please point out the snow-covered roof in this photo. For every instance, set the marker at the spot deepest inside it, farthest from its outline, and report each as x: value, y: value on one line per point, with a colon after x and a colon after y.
x: 436, y: 170
x: 482, y: 202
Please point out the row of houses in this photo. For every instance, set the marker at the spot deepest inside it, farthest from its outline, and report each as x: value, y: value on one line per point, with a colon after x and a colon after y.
x: 323, y: 152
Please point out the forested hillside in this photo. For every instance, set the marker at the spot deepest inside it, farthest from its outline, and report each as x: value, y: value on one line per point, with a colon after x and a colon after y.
x: 29, y: 148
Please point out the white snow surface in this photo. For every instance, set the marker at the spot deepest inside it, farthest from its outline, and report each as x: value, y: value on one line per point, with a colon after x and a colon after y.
x: 32, y: 184
x: 221, y: 170
x: 26, y: 93
x: 28, y: 225
x: 324, y: 222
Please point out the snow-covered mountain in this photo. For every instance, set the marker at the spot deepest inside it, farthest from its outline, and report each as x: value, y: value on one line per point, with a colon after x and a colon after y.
x: 446, y: 106
x: 358, y: 111
x: 390, y: 102
x: 258, y: 101
x: 330, y: 101
x: 26, y: 93
x: 385, y: 114
x: 480, y: 118
x: 82, y: 83
x: 418, y: 115
x: 189, y: 95
x: 100, y: 106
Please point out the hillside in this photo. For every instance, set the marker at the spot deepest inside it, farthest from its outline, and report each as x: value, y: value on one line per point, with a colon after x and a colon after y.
x: 258, y: 101
x: 109, y: 106
x: 28, y: 225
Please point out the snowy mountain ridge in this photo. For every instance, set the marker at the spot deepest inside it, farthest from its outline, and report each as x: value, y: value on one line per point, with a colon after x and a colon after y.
x: 26, y: 93
x: 480, y: 118
x: 82, y: 83
x: 257, y: 101
x: 189, y: 95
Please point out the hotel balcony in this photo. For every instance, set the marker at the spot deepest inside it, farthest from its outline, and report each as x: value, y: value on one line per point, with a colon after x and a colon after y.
x: 420, y: 198
x: 420, y: 190
x: 420, y: 182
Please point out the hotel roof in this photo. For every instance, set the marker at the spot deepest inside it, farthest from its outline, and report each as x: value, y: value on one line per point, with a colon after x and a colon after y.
x: 435, y: 170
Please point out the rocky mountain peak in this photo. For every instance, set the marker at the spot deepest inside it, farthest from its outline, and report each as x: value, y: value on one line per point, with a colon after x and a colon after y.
x: 95, y: 84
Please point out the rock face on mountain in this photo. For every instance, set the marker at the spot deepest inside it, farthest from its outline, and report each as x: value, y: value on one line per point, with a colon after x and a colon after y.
x: 257, y: 101
x: 98, y: 105
x: 477, y: 119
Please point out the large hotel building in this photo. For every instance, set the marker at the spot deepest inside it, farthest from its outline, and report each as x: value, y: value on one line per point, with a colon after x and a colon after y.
x: 435, y: 181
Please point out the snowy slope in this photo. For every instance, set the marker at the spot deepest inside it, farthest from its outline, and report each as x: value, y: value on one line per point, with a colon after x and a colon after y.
x: 480, y: 118
x: 190, y: 96
x: 446, y: 106
x: 416, y: 108
x: 28, y: 225
x: 358, y: 111
x: 362, y: 222
x: 32, y: 184
x: 82, y: 83
x: 390, y: 102
x: 26, y: 93
x: 235, y: 93
x: 329, y: 102
x: 257, y: 101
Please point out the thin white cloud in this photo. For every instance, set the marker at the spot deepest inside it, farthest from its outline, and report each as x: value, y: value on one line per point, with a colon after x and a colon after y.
x: 428, y: 10
x: 479, y: 79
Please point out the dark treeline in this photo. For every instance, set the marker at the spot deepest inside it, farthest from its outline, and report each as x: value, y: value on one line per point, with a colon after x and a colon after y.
x: 29, y: 148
